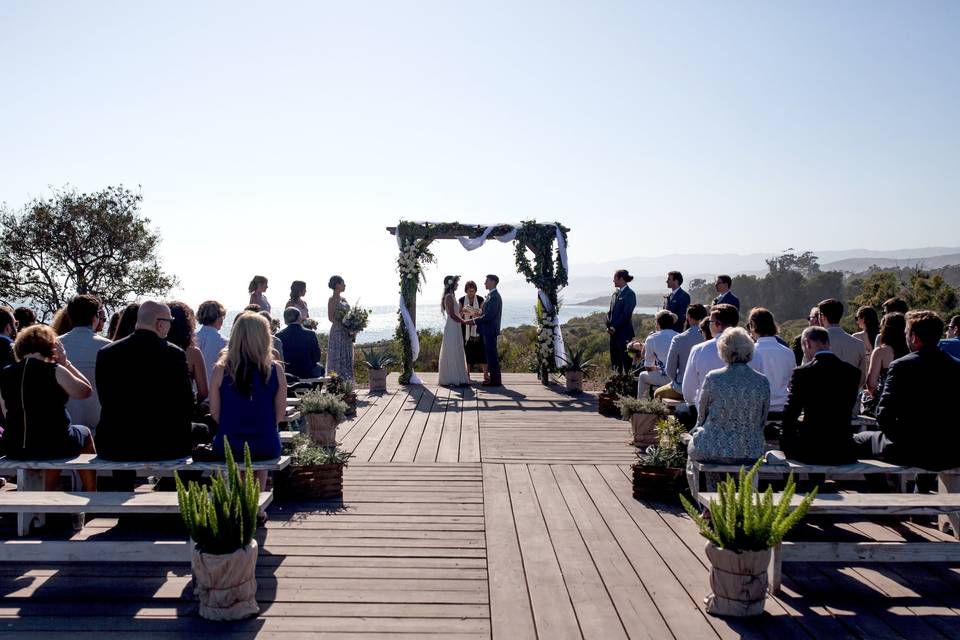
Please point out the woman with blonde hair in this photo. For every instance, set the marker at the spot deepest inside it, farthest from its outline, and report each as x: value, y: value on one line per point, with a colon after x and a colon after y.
x: 257, y: 287
x: 248, y: 392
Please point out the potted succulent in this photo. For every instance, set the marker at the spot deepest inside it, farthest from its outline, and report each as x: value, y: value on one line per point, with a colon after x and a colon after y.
x: 643, y: 414
x: 576, y: 364
x: 659, y: 471
x: 377, y: 363
x: 343, y: 389
x: 322, y: 413
x: 315, y: 472
x: 617, y: 386
x: 742, y: 529
x: 221, y: 522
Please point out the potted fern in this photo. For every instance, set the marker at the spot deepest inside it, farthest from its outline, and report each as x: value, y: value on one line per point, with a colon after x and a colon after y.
x: 315, y: 472
x: 377, y: 363
x: 643, y: 414
x: 742, y: 529
x: 221, y: 522
x: 576, y: 364
x: 659, y: 471
x: 322, y: 413
x: 619, y: 385
x: 343, y: 389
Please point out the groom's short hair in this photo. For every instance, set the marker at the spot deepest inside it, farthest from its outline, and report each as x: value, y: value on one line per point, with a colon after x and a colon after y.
x: 495, y: 279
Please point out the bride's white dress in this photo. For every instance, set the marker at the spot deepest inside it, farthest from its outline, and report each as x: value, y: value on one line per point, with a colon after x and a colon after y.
x: 453, y: 358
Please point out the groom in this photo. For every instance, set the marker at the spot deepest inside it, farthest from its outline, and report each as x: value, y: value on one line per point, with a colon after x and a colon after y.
x: 488, y: 326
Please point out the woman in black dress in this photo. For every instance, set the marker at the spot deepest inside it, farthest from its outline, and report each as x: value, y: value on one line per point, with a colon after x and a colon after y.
x: 470, y: 306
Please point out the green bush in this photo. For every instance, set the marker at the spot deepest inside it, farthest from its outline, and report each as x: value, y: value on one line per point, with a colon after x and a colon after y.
x: 305, y: 453
x: 629, y: 406
x: 317, y: 401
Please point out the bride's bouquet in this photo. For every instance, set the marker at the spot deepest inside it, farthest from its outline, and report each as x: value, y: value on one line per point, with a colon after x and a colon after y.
x: 354, y: 319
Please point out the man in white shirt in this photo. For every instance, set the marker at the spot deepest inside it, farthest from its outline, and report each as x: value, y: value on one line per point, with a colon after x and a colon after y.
x: 655, y: 349
x: 210, y: 315
x: 81, y: 345
x: 705, y: 357
x: 778, y: 360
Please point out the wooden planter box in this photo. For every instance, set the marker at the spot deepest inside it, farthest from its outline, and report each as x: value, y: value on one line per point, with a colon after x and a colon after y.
x: 306, y: 483
x: 378, y: 380
x: 608, y: 405
x: 322, y: 428
x: 661, y: 484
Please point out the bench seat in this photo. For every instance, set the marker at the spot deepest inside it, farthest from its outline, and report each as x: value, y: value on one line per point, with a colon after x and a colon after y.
x: 870, y: 504
x: 93, y: 462
x: 111, y: 502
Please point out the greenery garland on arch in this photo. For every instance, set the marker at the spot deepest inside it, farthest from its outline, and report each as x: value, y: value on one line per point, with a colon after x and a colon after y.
x: 546, y: 272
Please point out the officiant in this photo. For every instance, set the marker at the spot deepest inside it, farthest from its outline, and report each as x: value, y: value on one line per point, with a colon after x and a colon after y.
x: 470, y: 307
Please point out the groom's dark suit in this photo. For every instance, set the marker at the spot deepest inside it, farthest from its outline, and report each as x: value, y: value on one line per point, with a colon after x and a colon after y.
x: 488, y: 326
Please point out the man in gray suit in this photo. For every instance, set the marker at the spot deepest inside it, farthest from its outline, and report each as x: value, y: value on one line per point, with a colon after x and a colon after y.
x: 680, y: 347
x: 842, y: 344
x: 488, y: 326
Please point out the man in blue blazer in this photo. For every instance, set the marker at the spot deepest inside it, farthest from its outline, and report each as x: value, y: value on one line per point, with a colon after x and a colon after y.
x: 678, y: 300
x: 488, y: 326
x: 722, y: 285
x: 620, y: 320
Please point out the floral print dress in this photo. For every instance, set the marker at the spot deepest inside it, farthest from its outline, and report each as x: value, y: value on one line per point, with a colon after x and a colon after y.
x: 340, y: 346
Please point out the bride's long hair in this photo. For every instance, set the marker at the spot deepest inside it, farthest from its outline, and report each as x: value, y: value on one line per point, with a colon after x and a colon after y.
x: 449, y: 286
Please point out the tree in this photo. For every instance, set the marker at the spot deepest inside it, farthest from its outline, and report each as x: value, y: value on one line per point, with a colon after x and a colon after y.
x: 72, y: 243
x: 930, y: 292
x: 805, y: 264
x: 876, y: 287
x: 700, y: 291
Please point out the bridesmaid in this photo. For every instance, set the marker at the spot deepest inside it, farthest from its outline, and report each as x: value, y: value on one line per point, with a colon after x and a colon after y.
x: 257, y: 287
x: 298, y: 289
x: 340, y: 346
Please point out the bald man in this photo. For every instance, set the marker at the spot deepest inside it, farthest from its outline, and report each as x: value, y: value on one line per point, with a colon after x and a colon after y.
x: 145, y: 395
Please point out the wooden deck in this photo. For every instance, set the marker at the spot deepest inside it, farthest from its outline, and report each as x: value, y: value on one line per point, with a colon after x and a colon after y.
x: 478, y: 514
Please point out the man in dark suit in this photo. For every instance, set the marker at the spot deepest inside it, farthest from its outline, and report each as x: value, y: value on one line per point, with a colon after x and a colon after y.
x: 678, y: 300
x: 488, y: 326
x: 722, y: 285
x: 919, y: 406
x: 824, y: 390
x: 145, y: 394
x: 620, y: 320
x: 301, y: 351
x: 8, y: 331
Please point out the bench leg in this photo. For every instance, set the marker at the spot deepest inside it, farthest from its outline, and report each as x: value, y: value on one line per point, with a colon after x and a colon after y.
x: 693, y: 479
x: 29, y: 480
x: 949, y: 484
x: 776, y: 570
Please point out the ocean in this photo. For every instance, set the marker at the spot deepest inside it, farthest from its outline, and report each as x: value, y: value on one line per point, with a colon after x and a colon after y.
x: 383, y: 319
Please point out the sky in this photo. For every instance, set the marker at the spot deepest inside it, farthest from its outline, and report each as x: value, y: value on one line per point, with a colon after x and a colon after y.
x: 282, y: 138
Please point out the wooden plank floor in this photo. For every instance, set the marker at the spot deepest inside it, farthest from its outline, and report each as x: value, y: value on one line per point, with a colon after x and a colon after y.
x: 482, y: 513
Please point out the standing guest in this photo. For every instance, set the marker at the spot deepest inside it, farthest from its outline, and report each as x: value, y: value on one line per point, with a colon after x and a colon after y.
x: 620, y: 320
x: 82, y: 344
x: 470, y: 307
x: 128, y: 321
x: 705, y: 357
x: 25, y: 317
x: 778, y: 361
x: 869, y: 324
x: 112, y: 326
x: 679, y: 352
x: 61, y: 324
x: 8, y: 332
x: 656, y: 349
x: 300, y: 347
x: 145, y: 396
x: 733, y: 405
x: 951, y: 344
x: 677, y: 300
x: 211, y: 315
x: 823, y: 391
x: 891, y: 345
x: 722, y: 285
x: 842, y: 344
x: 298, y: 289
x: 257, y: 288
x: 813, y: 320
x: 181, y: 333
x: 340, y: 343
x: 248, y: 393
x: 33, y: 396
x: 916, y: 433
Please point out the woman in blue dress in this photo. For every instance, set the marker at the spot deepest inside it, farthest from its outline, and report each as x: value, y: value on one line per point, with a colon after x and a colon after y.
x: 340, y: 345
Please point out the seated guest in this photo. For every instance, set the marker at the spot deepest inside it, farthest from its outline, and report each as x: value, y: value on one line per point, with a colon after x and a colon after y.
x: 842, y: 344
x: 146, y: 402
x: 705, y: 357
x: 655, y: 350
x: 733, y: 406
x: 813, y: 320
x: 8, y: 332
x: 300, y: 346
x: 82, y: 345
x: 33, y: 396
x: 112, y: 326
x: 895, y: 305
x: 919, y: 405
x: 778, y: 362
x: 705, y: 329
x: 61, y: 324
x: 182, y: 334
x: 25, y: 317
x: 891, y: 345
x: 275, y: 341
x: 722, y: 285
x: 679, y: 352
x: 248, y: 392
x: 869, y: 324
x: 210, y: 315
x: 824, y: 390
x: 128, y: 321
x: 951, y: 344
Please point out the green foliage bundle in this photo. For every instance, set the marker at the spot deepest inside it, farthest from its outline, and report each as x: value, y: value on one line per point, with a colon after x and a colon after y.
x: 307, y: 454
x: 317, y: 401
x: 576, y: 362
x: 623, y: 385
x: 629, y: 406
x: 744, y: 520
x: 223, y: 519
x: 669, y: 452
x: 339, y: 386
x: 376, y: 359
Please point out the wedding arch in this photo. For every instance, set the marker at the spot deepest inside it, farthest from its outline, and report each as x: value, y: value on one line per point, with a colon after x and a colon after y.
x: 547, y: 271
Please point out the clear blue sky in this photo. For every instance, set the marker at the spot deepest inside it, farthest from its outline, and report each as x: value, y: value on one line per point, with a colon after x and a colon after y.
x: 281, y: 138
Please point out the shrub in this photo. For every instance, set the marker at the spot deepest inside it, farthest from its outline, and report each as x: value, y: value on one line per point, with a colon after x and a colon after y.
x: 630, y: 406
x: 316, y: 401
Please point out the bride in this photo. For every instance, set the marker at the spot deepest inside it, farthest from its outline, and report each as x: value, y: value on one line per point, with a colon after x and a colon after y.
x: 453, y: 359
